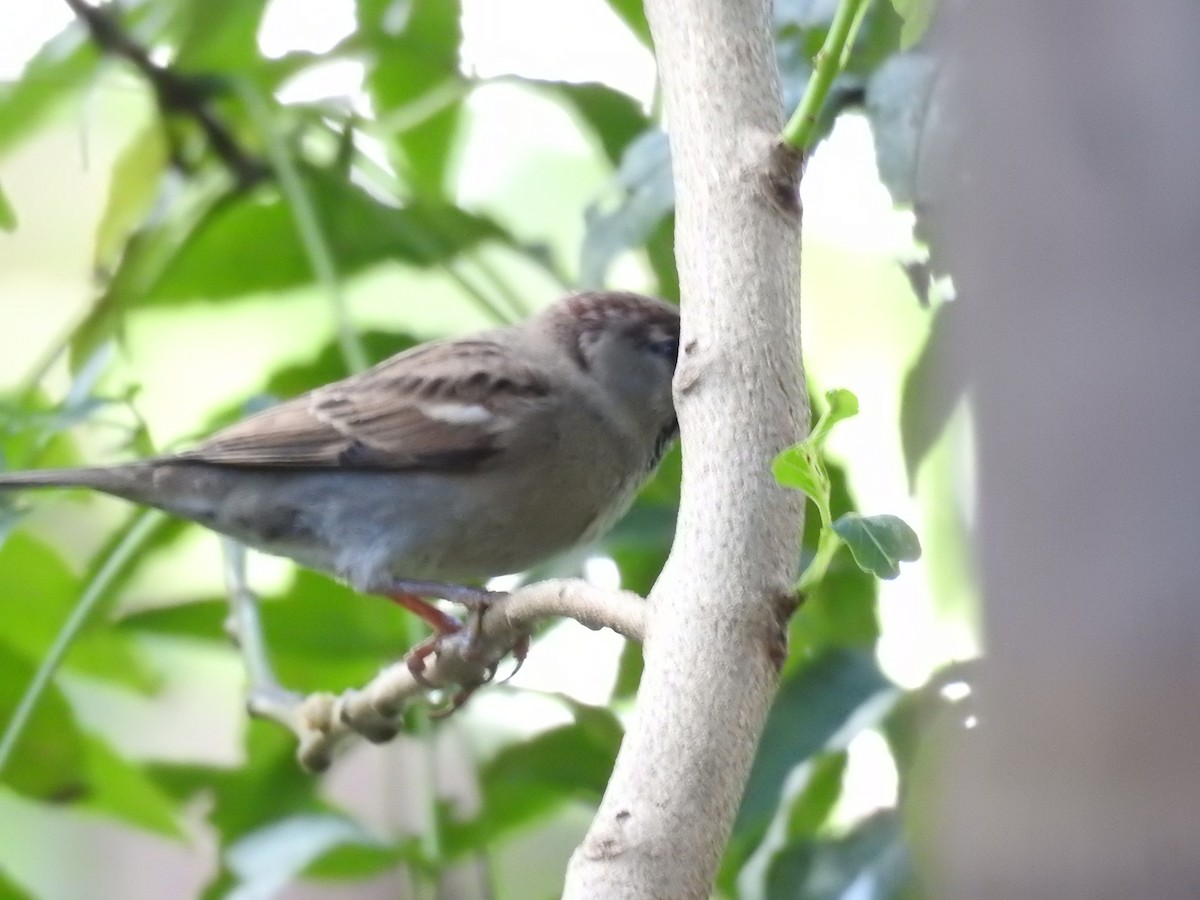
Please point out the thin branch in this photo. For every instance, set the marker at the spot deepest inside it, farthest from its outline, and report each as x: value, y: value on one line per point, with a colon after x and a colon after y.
x: 830, y: 60
x: 176, y: 93
x: 323, y: 722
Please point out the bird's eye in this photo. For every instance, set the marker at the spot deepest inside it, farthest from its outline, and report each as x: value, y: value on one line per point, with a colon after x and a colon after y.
x: 668, y: 348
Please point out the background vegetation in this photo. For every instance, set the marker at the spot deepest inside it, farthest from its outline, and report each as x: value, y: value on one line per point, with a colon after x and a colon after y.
x: 218, y: 203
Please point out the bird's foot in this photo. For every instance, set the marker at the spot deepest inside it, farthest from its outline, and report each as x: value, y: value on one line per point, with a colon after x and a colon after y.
x: 409, y: 595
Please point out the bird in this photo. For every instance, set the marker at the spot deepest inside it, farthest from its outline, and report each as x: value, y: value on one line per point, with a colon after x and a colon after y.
x: 443, y: 466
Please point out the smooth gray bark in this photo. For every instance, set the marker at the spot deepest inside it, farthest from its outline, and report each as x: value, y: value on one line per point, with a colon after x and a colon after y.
x: 1074, y: 236
x: 716, y: 613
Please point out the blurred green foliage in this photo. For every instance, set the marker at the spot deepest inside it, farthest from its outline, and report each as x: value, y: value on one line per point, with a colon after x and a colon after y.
x: 181, y: 231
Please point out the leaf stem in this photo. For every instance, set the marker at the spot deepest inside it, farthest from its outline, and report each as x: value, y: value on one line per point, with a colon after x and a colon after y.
x: 308, y: 225
x: 829, y: 61
x: 138, y: 533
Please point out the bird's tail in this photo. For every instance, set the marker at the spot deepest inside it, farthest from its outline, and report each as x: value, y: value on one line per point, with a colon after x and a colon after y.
x: 123, y: 481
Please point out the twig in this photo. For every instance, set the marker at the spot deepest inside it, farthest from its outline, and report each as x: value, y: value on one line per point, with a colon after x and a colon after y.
x: 176, y: 93
x: 830, y: 60
x: 265, y: 696
x: 322, y: 722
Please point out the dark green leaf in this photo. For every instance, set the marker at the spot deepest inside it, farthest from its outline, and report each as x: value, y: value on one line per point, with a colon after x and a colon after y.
x: 528, y: 780
x: 879, y: 543
x: 10, y: 891
x: 8, y: 215
x: 822, y: 789
x: 250, y: 245
x: 904, y: 122
x: 839, y: 611
x: 812, y: 706
x: 413, y: 68
x: 47, y: 761
x: 644, y: 195
x: 615, y: 119
x: 872, y: 855
x: 933, y: 388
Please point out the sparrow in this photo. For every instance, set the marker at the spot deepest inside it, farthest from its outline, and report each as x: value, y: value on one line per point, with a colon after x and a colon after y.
x: 445, y: 465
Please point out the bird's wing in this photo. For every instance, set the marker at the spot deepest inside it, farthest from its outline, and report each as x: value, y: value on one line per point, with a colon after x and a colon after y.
x: 446, y: 405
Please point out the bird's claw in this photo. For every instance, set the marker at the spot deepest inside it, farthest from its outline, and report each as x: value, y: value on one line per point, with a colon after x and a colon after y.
x: 470, y: 635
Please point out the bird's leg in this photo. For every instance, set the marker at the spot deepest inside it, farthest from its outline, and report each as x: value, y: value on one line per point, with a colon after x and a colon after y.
x: 409, y: 593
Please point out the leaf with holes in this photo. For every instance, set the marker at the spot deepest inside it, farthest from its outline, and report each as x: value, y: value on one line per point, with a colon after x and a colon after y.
x: 879, y: 543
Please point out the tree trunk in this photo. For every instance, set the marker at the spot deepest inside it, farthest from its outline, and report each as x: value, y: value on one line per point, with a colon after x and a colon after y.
x: 1075, y: 243
x: 717, y: 613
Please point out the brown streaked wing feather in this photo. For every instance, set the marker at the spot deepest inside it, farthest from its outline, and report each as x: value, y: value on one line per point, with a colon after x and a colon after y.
x: 386, y: 418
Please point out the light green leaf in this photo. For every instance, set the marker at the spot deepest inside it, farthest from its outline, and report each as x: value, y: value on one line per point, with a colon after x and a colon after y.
x: 59, y: 69
x: 841, y: 404
x: 879, y: 543
x: 916, y: 15
x: 136, y: 176
x: 118, y: 787
x: 644, y: 195
x: 800, y: 467
x: 8, y: 215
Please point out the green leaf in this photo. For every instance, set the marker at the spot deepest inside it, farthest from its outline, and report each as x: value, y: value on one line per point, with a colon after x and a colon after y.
x: 879, y: 543
x: 811, y: 708
x: 905, y: 122
x: 933, y: 388
x: 10, y: 891
x: 528, y: 780
x: 64, y: 65
x: 266, y: 787
x: 122, y: 790
x: 413, y: 74
x: 267, y: 860
x: 633, y: 14
x: 8, y: 215
x: 250, y: 245
x: 916, y: 15
x: 873, y: 853
x: 37, y: 594
x: 799, y: 467
x: 840, y: 404
x: 812, y: 806
x: 47, y: 762
x: 644, y: 194
x: 614, y: 118
x: 217, y: 36
x: 136, y: 177
x: 351, y: 860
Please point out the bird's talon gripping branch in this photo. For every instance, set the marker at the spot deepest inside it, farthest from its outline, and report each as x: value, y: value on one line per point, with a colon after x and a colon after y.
x: 520, y: 651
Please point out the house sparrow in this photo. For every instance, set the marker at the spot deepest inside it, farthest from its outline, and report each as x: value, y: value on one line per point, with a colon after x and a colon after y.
x: 453, y: 461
